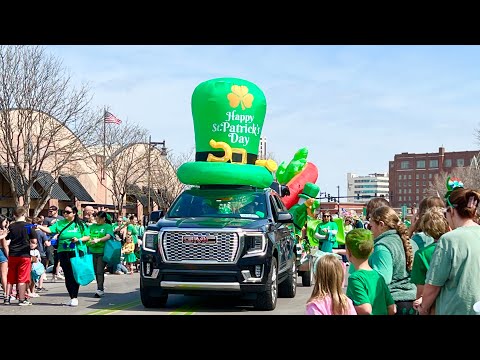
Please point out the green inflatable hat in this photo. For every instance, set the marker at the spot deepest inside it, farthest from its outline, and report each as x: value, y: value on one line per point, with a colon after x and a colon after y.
x: 310, y: 190
x: 228, y: 116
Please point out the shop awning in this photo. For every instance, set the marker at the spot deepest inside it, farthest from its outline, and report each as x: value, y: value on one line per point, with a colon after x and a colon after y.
x: 44, y: 181
x: 75, y: 188
x: 16, y: 178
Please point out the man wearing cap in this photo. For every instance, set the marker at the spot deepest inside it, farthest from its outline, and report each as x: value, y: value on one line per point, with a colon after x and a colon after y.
x: 52, y: 216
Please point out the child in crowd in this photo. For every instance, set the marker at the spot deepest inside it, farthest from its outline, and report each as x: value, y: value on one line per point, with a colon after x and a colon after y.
x: 433, y: 223
x: 128, y: 250
x: 37, y: 272
x: 327, y: 296
x: 366, y: 287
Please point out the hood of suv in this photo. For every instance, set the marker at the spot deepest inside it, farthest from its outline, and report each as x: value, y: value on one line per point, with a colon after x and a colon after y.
x: 216, y: 223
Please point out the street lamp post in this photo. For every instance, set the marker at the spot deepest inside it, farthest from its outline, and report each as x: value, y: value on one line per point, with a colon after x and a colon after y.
x: 163, y: 152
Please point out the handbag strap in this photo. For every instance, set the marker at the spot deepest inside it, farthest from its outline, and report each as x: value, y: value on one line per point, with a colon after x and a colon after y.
x: 66, y: 226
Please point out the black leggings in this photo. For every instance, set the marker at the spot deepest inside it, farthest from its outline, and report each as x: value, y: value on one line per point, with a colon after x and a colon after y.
x: 405, y: 308
x: 70, y: 283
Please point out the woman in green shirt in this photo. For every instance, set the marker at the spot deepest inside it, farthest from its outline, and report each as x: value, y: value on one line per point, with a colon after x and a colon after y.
x: 70, y: 231
x: 100, y: 232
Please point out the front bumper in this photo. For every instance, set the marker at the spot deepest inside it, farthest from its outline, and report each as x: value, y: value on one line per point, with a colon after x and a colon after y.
x: 247, y: 275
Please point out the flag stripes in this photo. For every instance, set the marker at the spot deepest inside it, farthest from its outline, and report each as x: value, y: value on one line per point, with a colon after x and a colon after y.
x: 109, y: 118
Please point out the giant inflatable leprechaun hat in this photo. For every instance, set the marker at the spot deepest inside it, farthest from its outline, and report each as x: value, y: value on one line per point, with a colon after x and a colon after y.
x: 228, y: 116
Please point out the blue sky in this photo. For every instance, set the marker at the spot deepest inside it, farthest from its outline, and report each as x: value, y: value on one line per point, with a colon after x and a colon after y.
x: 353, y: 107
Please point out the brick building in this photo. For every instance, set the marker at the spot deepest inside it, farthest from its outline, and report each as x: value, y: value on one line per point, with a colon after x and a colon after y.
x: 410, y: 174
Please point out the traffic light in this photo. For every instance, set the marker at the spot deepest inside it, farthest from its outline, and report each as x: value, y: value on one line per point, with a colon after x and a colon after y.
x: 358, y: 196
x: 329, y: 197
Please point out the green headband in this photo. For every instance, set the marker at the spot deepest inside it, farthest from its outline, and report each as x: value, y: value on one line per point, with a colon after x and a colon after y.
x: 452, y: 184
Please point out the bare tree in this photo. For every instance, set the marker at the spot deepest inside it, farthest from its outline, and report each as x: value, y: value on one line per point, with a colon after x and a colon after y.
x: 44, y: 120
x: 164, y: 177
x: 124, y: 153
x: 469, y: 176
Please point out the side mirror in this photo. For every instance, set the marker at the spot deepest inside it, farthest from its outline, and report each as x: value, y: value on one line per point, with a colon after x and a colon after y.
x: 284, y: 217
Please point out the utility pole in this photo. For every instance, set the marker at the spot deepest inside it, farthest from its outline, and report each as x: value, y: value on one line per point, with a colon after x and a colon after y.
x: 338, y: 199
x: 163, y: 152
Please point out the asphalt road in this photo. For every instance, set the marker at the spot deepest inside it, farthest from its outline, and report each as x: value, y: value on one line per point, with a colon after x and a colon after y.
x: 122, y: 297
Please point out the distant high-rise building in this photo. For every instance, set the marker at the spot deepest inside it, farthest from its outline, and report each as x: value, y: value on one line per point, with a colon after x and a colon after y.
x: 262, y: 148
x: 411, y: 174
x: 361, y: 188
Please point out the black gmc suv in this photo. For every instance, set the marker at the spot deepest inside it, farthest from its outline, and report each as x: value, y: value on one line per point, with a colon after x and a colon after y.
x: 220, y: 239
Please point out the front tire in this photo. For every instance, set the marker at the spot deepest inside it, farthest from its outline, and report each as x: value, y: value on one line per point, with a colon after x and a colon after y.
x: 151, y: 301
x: 307, y: 278
x: 288, y: 287
x: 268, y: 299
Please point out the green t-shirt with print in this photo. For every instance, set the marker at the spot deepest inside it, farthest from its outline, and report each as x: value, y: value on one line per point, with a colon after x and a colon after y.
x: 98, y: 231
x: 368, y: 286
x: 72, y: 231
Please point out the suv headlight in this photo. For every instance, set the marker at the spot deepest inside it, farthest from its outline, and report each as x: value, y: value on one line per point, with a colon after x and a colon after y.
x: 150, y: 241
x: 255, y: 243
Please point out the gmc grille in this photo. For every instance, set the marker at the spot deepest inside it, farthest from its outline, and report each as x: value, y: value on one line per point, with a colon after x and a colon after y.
x: 223, y: 251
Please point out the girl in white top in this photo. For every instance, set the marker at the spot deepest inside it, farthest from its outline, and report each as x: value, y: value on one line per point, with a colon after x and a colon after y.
x: 37, y: 268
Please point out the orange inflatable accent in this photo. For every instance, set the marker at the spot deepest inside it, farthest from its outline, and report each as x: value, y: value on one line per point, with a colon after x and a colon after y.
x: 296, y: 184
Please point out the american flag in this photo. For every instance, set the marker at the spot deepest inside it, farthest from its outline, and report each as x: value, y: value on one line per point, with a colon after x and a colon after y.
x: 109, y: 118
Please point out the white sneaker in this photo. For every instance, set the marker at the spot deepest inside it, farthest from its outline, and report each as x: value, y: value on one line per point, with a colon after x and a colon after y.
x: 99, y: 293
x: 60, y: 276
x: 72, y: 302
x: 33, y: 295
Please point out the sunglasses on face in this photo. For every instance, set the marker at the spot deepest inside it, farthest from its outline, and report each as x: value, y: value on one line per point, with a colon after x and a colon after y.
x: 67, y: 212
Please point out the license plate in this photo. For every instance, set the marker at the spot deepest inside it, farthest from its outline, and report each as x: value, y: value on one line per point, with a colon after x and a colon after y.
x: 202, y: 239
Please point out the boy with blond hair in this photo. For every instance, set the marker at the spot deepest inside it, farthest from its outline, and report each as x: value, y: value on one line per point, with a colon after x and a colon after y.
x: 366, y: 287
x: 434, y: 224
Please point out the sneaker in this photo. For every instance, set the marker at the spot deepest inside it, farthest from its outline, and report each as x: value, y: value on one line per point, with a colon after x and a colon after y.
x: 33, y: 295
x: 42, y: 289
x: 119, y: 273
x: 12, y: 298
x: 60, y: 276
x: 99, y: 293
x: 24, y: 303
x: 72, y: 302
x: 6, y: 301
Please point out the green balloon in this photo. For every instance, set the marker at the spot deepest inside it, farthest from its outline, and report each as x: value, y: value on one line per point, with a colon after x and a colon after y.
x: 228, y: 110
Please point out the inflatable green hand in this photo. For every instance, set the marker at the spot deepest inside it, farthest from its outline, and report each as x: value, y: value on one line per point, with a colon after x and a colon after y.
x: 296, y: 165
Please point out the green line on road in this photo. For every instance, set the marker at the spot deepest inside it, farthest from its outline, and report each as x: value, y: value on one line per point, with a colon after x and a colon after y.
x: 115, y: 308
x: 185, y: 309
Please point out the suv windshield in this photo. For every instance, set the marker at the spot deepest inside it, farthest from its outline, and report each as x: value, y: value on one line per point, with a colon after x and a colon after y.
x: 219, y: 203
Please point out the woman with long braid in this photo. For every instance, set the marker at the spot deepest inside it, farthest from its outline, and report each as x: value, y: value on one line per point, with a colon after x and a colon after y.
x: 70, y: 230
x: 392, y: 257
